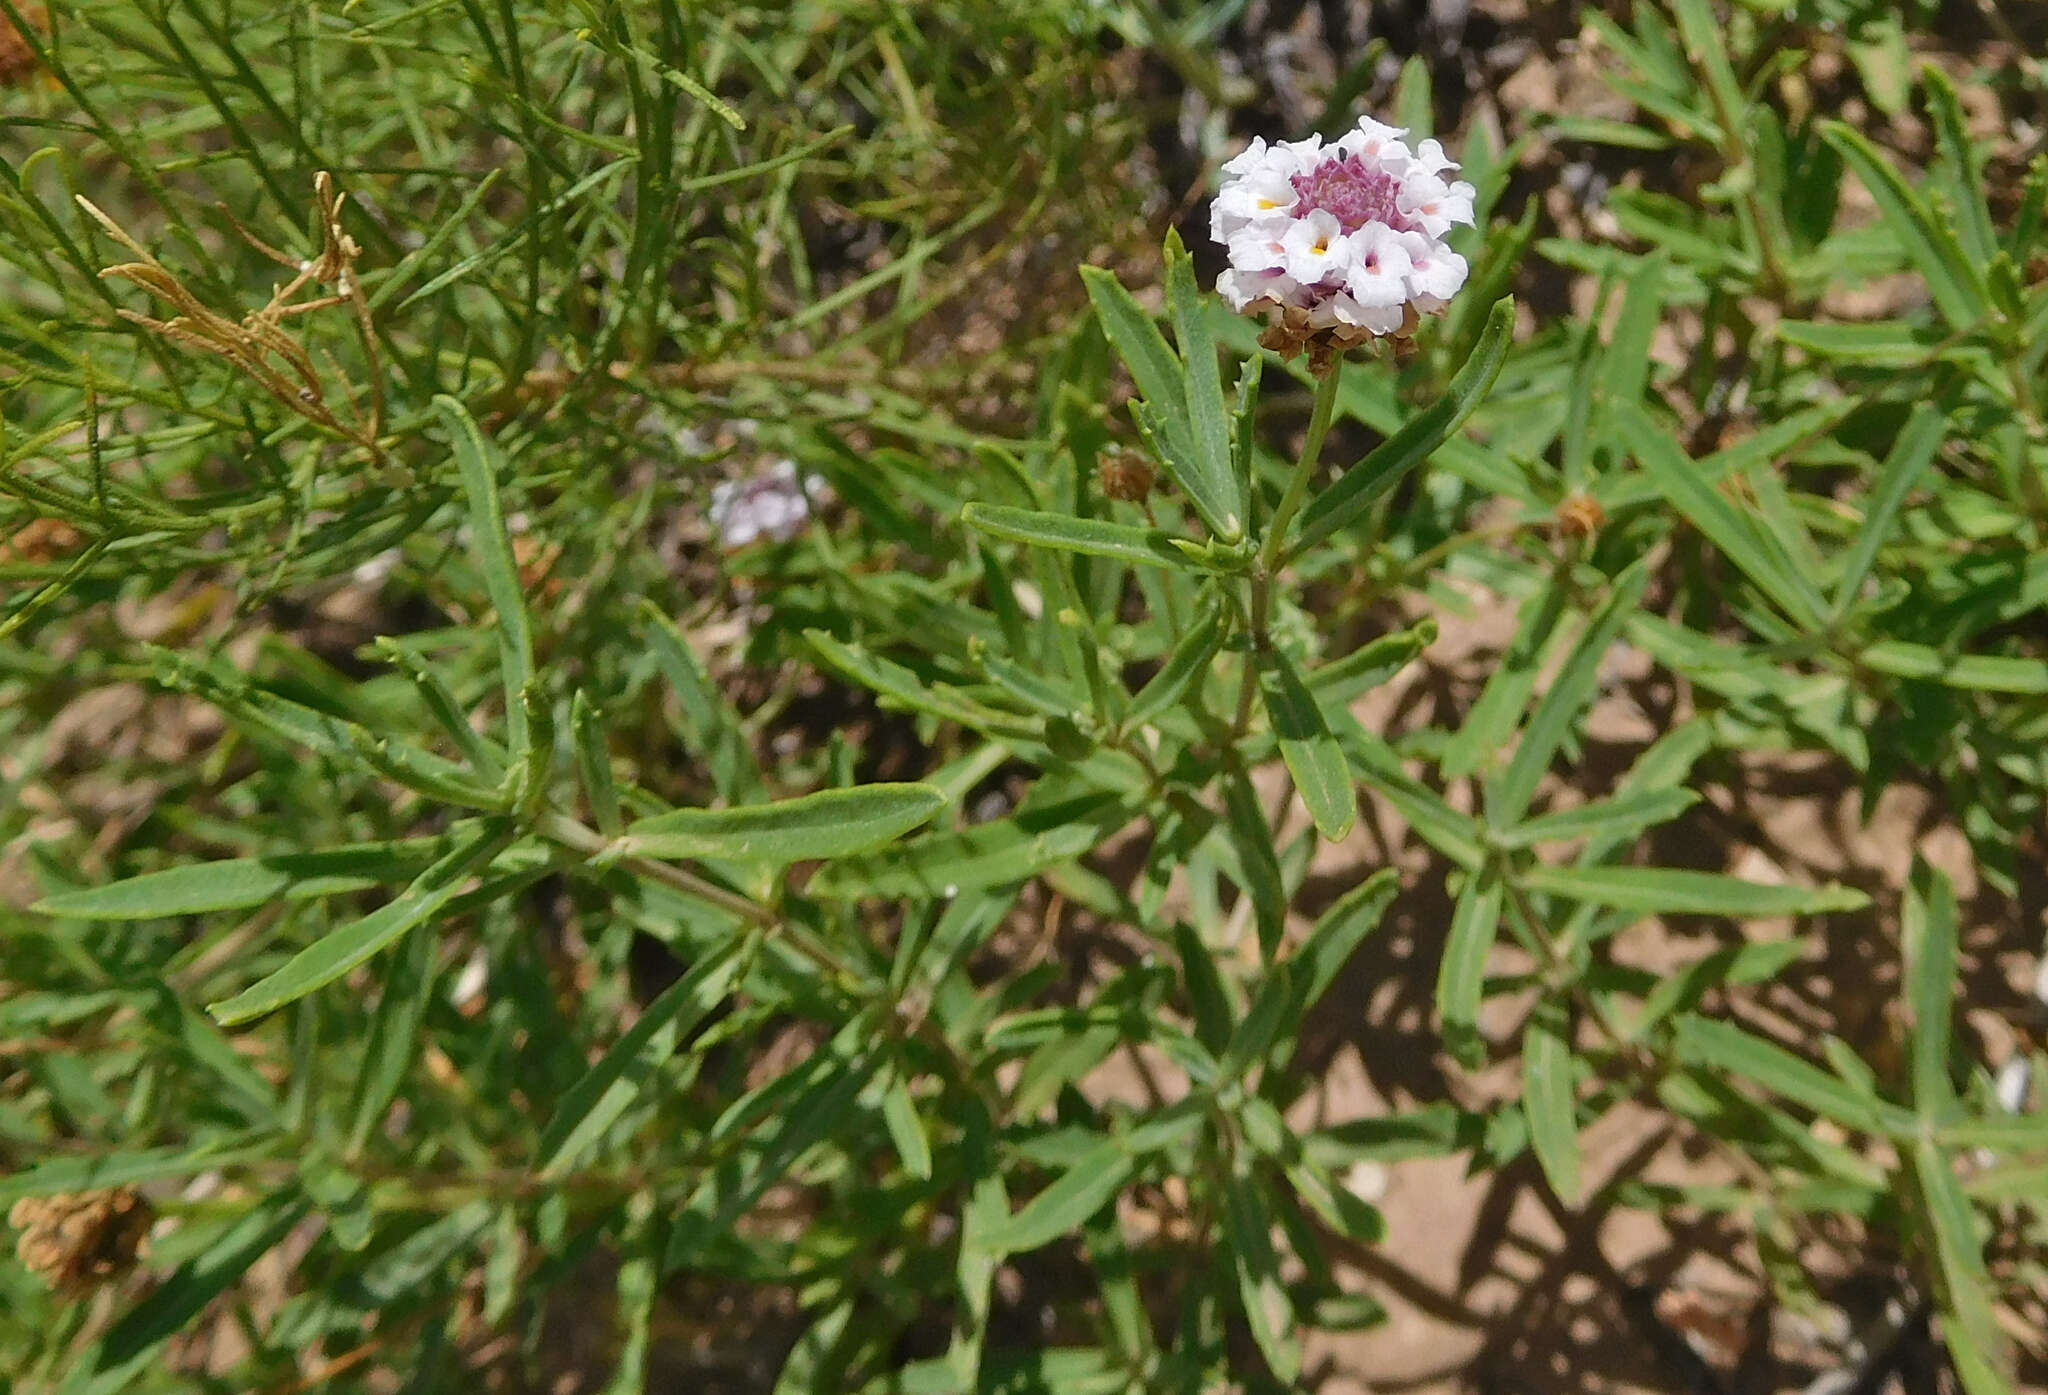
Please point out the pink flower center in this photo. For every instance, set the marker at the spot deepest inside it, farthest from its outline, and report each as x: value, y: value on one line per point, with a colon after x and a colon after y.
x: 1353, y: 192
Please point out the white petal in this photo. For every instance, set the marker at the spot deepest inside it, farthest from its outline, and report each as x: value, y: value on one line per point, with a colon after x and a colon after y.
x: 1336, y: 308
x: 1372, y: 139
x: 1244, y: 289
x: 1384, y: 319
x: 1435, y: 270
x: 1429, y: 158
x: 1247, y: 159
x: 1434, y: 205
x: 1258, y: 195
x: 1259, y: 247
x: 1316, y: 247
x: 1299, y: 156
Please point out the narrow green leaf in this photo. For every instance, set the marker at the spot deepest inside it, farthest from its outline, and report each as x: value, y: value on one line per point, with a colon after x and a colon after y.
x: 710, y: 727
x: 1123, y: 542
x: 394, y: 1034
x: 1618, y: 820
x: 1681, y: 483
x: 1962, y: 1284
x: 1340, y: 1208
x: 898, y: 685
x: 1748, y: 963
x: 1725, y: 1047
x: 1208, y: 414
x: 1338, y: 933
x: 1461, y: 978
x: 338, y: 951
x: 1984, y: 673
x: 1929, y: 933
x: 1266, y: 1308
x: 1193, y: 654
x: 809, y: 1106
x: 1569, y: 694
x: 1930, y: 244
x: 247, y: 881
x: 1272, y: 1008
x: 1961, y: 165
x: 1164, y: 416
x: 1072, y: 1198
x: 594, y: 1103
x: 1884, y: 344
x: 1910, y: 455
x: 480, y: 464
x: 988, y: 855
x: 1258, y: 861
x: 1138, y: 340
x: 829, y: 823
x: 1479, y: 742
x: 906, y: 1130
x: 1625, y: 365
x: 1374, y: 477
x: 105, y: 1170
x: 1311, y: 752
x: 1370, y: 665
x: 1550, y: 1099
x: 1679, y: 891
x: 1215, y: 1018
x: 594, y: 762
x: 1245, y: 424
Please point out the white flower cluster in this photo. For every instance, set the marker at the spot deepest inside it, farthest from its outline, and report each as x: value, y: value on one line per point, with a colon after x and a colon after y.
x: 1351, y: 232
x: 773, y: 504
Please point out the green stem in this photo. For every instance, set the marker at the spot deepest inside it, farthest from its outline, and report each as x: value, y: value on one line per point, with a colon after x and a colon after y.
x: 1261, y: 605
x: 1304, y: 470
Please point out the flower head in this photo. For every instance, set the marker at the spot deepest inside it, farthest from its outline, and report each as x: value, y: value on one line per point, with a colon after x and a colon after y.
x: 1345, y: 239
x: 773, y: 504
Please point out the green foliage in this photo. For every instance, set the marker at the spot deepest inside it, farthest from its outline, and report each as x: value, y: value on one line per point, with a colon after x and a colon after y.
x: 525, y: 890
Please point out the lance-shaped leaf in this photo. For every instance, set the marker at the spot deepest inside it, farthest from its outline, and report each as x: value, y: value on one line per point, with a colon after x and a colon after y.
x: 1097, y: 537
x: 1462, y: 976
x: 1185, y: 667
x: 1679, y: 891
x: 480, y: 461
x: 1370, y: 665
x: 1073, y: 1197
x: 1550, y: 1098
x: 829, y: 823
x: 248, y: 881
x: 335, y: 953
x: 1209, y: 415
x: 1374, y: 477
x: 594, y: 1103
x: 1929, y: 242
x: 1311, y: 752
x: 897, y: 685
x: 1182, y: 431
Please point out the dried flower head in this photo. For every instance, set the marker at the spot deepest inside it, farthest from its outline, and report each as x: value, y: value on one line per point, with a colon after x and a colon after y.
x: 17, y: 54
x: 1346, y: 239
x: 1126, y: 475
x: 774, y: 503
x: 41, y: 541
x: 1580, y: 516
x: 261, y: 343
x: 78, y: 1241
